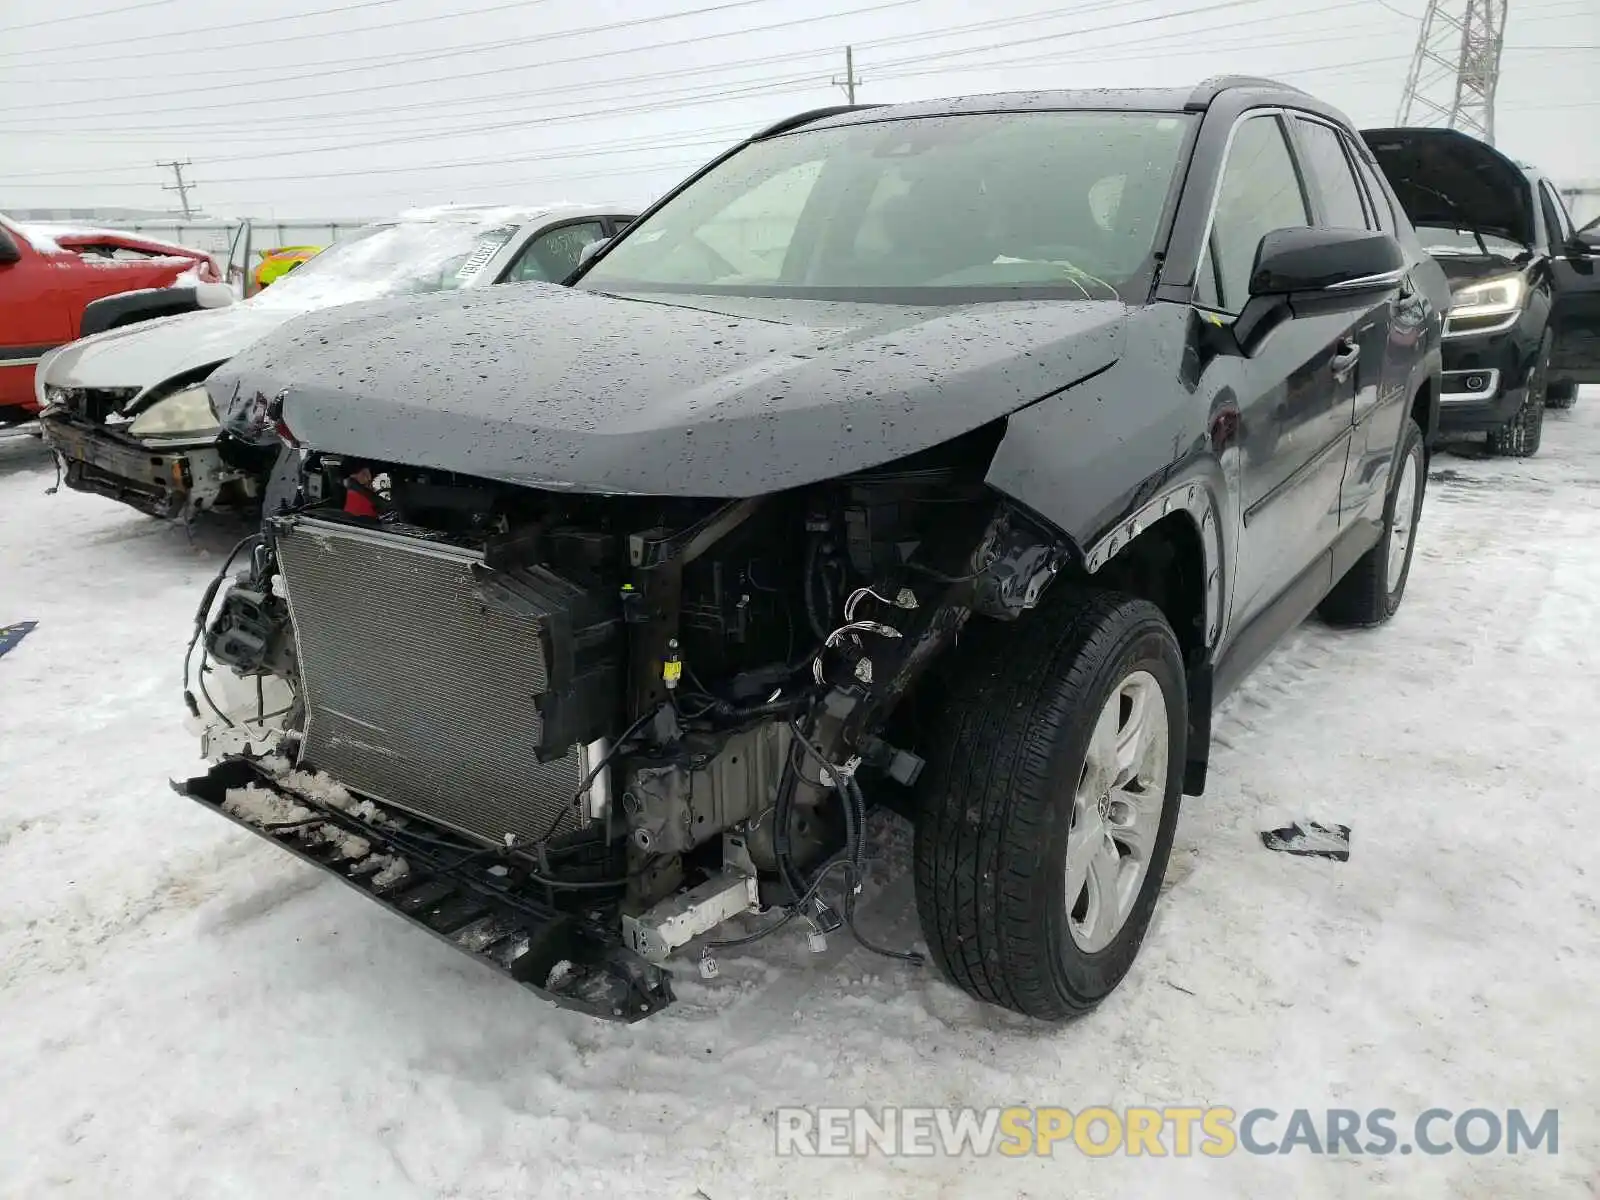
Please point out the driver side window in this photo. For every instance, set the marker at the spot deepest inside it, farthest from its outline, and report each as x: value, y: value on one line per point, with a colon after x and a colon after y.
x: 1260, y: 192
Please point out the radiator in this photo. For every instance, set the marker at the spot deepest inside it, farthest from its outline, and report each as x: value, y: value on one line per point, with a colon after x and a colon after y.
x: 418, y: 694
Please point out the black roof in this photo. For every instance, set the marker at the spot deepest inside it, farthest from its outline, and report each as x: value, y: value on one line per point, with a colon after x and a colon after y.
x: 1194, y: 98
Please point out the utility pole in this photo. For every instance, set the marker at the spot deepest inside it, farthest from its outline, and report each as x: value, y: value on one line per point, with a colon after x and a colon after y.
x: 851, y: 80
x: 182, y: 185
x: 1455, y: 69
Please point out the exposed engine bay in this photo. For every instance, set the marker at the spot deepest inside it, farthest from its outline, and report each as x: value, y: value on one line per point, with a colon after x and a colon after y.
x: 574, y: 733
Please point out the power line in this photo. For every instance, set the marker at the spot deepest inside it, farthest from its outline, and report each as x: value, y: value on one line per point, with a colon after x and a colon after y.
x: 902, y: 39
x: 892, y: 69
x: 681, y: 99
x: 370, y: 62
x: 629, y: 145
x: 508, y: 44
x: 895, y: 68
x: 603, y: 151
x: 252, y: 44
x: 417, y: 197
x: 651, y: 106
x: 104, y: 12
x: 230, y: 26
x: 235, y: 127
x: 379, y: 62
x: 258, y: 42
x: 695, y: 93
x: 385, y: 114
x: 494, y: 161
x: 1143, y: 41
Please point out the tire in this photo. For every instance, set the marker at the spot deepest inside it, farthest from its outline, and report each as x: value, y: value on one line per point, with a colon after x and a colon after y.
x: 1370, y: 593
x: 1010, y: 793
x: 1561, y: 395
x: 1519, y: 437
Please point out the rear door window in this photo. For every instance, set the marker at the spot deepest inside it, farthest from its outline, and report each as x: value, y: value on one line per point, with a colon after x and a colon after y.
x: 1342, y: 206
x: 1379, y: 198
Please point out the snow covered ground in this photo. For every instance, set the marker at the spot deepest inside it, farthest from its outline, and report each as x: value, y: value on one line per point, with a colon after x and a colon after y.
x: 185, y: 1012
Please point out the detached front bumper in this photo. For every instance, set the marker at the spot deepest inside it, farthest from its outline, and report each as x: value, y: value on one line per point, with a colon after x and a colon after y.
x: 159, y: 481
x: 475, y: 902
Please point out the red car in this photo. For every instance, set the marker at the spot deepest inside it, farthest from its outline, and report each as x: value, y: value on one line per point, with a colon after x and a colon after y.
x: 48, y: 275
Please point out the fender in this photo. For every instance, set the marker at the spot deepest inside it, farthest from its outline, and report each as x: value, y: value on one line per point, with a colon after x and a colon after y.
x: 1053, y: 458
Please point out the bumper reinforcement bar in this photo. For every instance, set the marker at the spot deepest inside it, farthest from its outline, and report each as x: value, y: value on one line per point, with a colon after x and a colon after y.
x: 560, y: 956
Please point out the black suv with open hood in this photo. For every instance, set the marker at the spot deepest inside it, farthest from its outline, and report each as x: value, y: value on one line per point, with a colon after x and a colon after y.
x: 1524, y: 324
x: 953, y: 456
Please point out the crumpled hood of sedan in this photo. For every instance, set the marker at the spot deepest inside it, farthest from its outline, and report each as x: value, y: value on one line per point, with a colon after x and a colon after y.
x: 667, y: 395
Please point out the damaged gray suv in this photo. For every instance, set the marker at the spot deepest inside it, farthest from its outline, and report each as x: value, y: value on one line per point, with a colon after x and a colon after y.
x: 954, y: 457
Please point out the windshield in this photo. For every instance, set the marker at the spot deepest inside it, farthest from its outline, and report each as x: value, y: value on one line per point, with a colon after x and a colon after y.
x: 1440, y: 240
x: 398, y: 258
x: 924, y: 210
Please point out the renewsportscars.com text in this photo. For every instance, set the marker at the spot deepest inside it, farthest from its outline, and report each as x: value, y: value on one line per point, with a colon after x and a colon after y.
x: 1161, y: 1132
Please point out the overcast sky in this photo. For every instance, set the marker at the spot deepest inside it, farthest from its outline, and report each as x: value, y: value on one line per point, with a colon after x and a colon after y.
x: 340, y: 108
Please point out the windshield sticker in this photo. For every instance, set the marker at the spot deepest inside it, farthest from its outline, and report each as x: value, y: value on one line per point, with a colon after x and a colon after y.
x: 488, y: 245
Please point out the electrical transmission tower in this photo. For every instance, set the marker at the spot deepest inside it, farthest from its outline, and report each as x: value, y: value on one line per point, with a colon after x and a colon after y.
x: 1456, y: 67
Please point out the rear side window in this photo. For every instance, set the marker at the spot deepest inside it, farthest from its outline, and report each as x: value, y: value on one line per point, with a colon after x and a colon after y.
x: 1325, y: 158
x: 1375, y: 192
x: 1260, y: 192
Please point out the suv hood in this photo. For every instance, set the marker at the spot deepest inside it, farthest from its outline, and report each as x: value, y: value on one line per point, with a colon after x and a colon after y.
x: 1446, y: 178
x: 558, y: 387
x: 147, y: 354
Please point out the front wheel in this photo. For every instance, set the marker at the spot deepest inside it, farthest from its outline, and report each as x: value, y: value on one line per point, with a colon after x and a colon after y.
x: 1519, y: 437
x: 1047, y: 814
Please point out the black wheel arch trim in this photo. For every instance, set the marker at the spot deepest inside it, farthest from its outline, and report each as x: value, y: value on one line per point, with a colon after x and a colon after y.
x: 1192, y: 498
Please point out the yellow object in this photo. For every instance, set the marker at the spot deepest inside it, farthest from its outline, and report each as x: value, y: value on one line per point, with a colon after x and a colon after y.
x: 672, y: 667
x: 279, y: 261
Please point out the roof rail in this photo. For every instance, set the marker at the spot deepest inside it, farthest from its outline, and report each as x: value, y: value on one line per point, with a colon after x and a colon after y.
x: 1208, y: 90
x: 805, y: 118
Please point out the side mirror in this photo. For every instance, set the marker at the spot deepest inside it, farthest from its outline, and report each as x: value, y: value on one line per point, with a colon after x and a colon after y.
x: 8, y: 248
x: 1586, y: 241
x: 1304, y: 272
x: 213, y: 295
x: 1327, y: 262
x: 590, y: 251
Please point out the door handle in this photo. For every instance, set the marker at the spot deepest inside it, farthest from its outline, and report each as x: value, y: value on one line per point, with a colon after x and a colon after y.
x: 1345, y: 359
